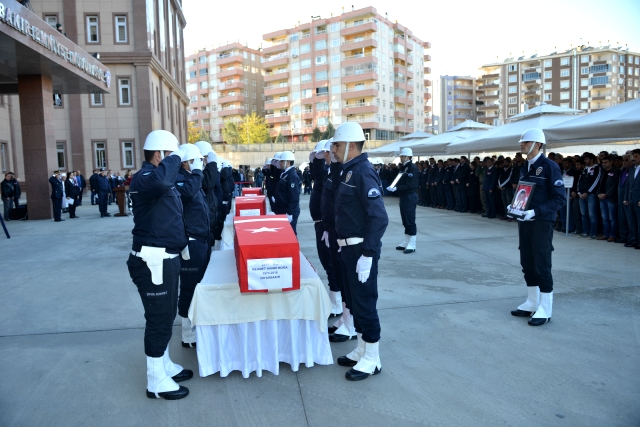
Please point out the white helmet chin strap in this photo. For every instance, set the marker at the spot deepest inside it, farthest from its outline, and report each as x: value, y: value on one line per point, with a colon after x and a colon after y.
x: 346, y: 153
x: 533, y: 144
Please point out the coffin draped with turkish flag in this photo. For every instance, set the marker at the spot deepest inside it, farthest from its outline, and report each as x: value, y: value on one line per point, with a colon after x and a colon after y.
x: 267, y: 254
x: 251, y: 206
x: 251, y: 191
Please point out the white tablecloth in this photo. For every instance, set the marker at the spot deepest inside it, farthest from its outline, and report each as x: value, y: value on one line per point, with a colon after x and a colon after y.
x: 254, y: 332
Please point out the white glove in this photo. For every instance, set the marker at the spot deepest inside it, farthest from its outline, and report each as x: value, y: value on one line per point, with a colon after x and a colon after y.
x: 325, y: 238
x: 197, y: 164
x: 290, y: 217
x: 312, y: 155
x: 179, y: 153
x: 273, y: 199
x: 528, y: 215
x: 363, y: 268
x: 211, y: 157
x: 391, y: 189
x: 319, y: 155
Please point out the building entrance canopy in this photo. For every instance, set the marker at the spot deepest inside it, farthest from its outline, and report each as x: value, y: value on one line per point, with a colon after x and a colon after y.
x: 29, y: 46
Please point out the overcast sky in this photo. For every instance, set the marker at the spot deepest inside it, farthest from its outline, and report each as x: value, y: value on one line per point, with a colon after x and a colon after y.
x: 464, y: 34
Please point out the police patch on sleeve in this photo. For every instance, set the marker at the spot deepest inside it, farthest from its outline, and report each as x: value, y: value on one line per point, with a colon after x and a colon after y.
x: 559, y: 183
x: 180, y: 184
x: 373, y: 193
x: 146, y: 173
x: 409, y: 174
x: 293, y: 185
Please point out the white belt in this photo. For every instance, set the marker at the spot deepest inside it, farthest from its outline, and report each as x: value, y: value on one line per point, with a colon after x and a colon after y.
x: 154, y: 257
x: 350, y: 241
x: 170, y: 256
x: 318, y: 220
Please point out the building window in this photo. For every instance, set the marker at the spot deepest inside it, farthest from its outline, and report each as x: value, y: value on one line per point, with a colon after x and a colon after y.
x: 584, y: 58
x: 321, y: 59
x: 57, y: 100
x: 100, y: 154
x: 93, y: 29
x: 584, y: 105
x: 121, y: 29
x: 321, y: 75
x: 512, y: 111
x: 336, y: 58
x: 124, y: 91
x: 321, y: 44
x: 513, y: 79
x: 51, y: 20
x: 335, y: 89
x: 564, y: 73
x: 334, y: 27
x: 564, y: 61
x: 3, y: 157
x: 547, y: 97
x: 513, y: 100
x: 565, y: 84
x: 60, y: 155
x: 584, y: 94
x: 513, y: 89
x: 547, y: 74
x: 96, y: 99
x: 547, y: 86
x: 564, y: 95
x: 513, y: 67
x: 547, y: 63
x: 127, y: 154
x: 584, y: 82
x: 305, y: 48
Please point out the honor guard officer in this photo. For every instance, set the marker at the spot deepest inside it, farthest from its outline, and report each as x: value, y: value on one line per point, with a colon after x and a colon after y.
x: 361, y: 220
x: 274, y: 177
x: 154, y: 265
x: 535, y: 230
x: 196, y: 221
x: 286, y: 199
x: 211, y: 187
x: 406, y: 188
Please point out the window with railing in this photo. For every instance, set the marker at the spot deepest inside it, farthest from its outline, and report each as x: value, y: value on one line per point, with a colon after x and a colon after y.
x: 530, y: 76
x: 321, y: 30
x: 599, y: 68
x: 293, y: 37
x: 305, y: 34
x: 360, y: 69
x: 601, y: 80
x: 399, y: 92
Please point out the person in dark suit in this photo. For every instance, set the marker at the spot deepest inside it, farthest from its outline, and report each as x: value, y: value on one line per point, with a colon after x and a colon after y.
x: 489, y: 188
x: 71, y: 190
x: 462, y: 181
x: 104, y: 188
x: 93, y: 182
x: 82, y: 184
x: 56, y: 195
x: 632, y: 199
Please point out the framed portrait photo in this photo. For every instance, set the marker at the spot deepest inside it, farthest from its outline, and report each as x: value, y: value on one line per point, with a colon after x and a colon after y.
x: 521, y: 200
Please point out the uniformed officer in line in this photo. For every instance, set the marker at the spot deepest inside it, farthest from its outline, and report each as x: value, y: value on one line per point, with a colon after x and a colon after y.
x: 196, y: 221
x: 211, y: 188
x: 228, y: 186
x: 319, y: 170
x: 535, y: 231
x: 104, y: 189
x: 286, y: 199
x: 343, y: 329
x: 154, y: 263
x: 274, y: 177
x: 406, y: 188
x: 361, y: 221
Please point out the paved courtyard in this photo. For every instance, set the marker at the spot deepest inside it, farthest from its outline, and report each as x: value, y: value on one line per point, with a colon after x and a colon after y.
x: 71, y: 330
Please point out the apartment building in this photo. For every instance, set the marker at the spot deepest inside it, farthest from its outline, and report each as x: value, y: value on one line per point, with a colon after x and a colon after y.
x: 224, y: 84
x: 457, y: 101
x: 141, y: 42
x: 357, y: 66
x: 585, y: 78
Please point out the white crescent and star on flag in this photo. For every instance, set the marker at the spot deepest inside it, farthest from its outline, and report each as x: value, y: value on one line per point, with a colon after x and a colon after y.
x: 263, y: 230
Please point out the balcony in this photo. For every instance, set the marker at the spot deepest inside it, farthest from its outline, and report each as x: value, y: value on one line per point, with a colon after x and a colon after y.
x: 229, y: 73
x: 276, y: 90
x: 490, y: 96
x: 229, y: 59
x: 230, y: 98
x: 277, y: 118
x: 361, y: 77
x: 359, y: 44
x: 231, y: 84
x: 231, y: 111
x: 365, y: 27
x: 359, y: 59
x: 455, y: 96
x: 427, y: 108
x: 489, y: 107
x: 276, y: 60
x: 427, y: 95
x: 427, y: 82
x: 281, y: 47
x: 272, y: 77
x: 365, y: 122
x: 402, y: 128
x: 400, y: 56
x: 427, y: 120
x: 489, y: 86
x: 427, y: 70
x: 531, y: 92
x: 360, y: 108
x: 427, y: 58
x: 468, y: 106
x: 490, y: 76
x: 401, y: 85
x: 276, y: 104
x: 409, y: 58
x: 409, y: 74
x: 360, y: 92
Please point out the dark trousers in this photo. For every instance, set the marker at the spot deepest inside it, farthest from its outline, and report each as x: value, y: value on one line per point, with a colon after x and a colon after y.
x: 294, y: 222
x: 442, y: 199
x: 160, y: 302
x: 103, y: 201
x: 589, y: 214
x: 72, y: 208
x: 8, y: 205
x: 191, y: 273
x: 535, y: 253
x: 434, y: 196
x: 623, y: 220
x: 336, y: 264
x: 577, y: 215
x: 456, y: 196
x: 634, y: 221
x: 507, y: 196
x: 361, y: 298
x: 490, y: 204
x: 324, y: 253
x: 448, y: 191
x: 408, y: 212
x: 80, y: 197
x: 463, y: 205
x: 94, y: 196
x: 57, y: 208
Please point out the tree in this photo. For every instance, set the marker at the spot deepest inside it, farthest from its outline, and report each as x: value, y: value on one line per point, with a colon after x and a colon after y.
x: 328, y: 132
x: 196, y: 133
x: 280, y: 138
x: 252, y: 129
x: 316, y: 135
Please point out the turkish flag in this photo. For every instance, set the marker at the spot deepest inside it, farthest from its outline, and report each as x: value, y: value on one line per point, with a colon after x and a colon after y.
x: 251, y: 206
x: 267, y: 254
x: 251, y: 191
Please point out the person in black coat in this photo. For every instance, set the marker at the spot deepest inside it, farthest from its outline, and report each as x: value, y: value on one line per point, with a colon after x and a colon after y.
x: 93, y: 183
x: 71, y: 190
x: 56, y: 195
x: 7, y: 195
x: 462, y: 179
x: 608, y: 197
x: 406, y: 189
x: 82, y: 184
x: 473, y: 187
x: 489, y: 188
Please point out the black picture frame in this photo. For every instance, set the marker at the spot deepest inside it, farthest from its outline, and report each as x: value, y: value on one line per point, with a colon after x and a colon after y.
x: 521, y: 200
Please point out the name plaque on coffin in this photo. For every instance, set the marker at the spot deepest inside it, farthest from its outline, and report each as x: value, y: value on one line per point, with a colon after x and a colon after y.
x: 251, y: 206
x: 267, y: 254
x: 251, y: 191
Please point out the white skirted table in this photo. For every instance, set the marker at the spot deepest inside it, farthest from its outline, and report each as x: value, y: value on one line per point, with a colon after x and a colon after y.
x: 256, y: 331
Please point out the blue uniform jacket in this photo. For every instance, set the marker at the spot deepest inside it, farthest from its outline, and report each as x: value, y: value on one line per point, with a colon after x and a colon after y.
x: 408, y: 182
x: 103, y: 184
x: 195, y: 210
x: 360, y: 210
x: 549, y: 194
x: 157, y: 208
x: 319, y: 170
x: 56, y: 188
x: 287, y: 193
x: 331, y: 182
x: 490, y: 179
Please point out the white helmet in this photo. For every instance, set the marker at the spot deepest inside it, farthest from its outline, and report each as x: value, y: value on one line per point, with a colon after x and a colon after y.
x: 320, y: 146
x: 327, y: 145
x: 406, y: 152
x: 276, y: 156
x: 376, y: 161
x: 349, y: 132
x: 533, y: 135
x: 287, y: 155
x: 161, y: 140
x: 204, y: 146
x: 213, y: 155
x: 192, y: 151
x: 268, y: 161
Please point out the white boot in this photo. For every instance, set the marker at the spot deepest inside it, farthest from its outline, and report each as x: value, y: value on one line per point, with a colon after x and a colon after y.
x: 402, y: 246
x: 533, y: 299
x: 369, y: 363
x: 357, y: 353
x: 544, y: 309
x: 170, y: 368
x: 336, y: 303
x: 345, y: 313
x: 188, y: 333
x: 158, y: 381
x: 347, y: 327
x: 411, y: 245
